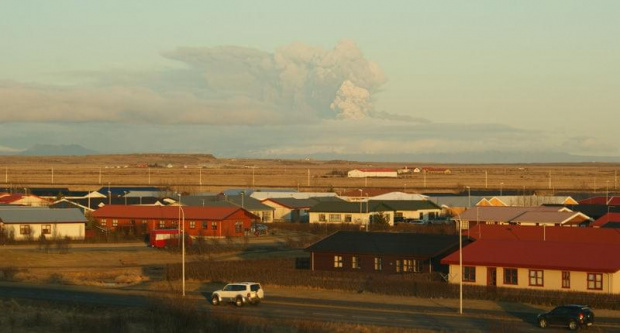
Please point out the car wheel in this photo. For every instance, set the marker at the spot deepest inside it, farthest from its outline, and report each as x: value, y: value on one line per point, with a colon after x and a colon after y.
x: 239, y: 301
x: 572, y: 325
x: 255, y: 302
x: 542, y: 323
x: 215, y: 300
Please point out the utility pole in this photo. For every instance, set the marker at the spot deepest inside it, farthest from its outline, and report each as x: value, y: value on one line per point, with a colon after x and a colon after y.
x: 200, y: 177
x: 52, y: 175
x: 486, y: 179
x: 6, y: 175
x: 308, y: 177
x: 549, y: 179
x: 99, y: 175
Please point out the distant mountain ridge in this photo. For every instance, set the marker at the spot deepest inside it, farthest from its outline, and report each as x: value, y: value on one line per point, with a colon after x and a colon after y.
x: 51, y: 150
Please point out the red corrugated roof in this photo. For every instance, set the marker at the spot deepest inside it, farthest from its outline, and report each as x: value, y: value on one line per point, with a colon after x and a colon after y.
x: 609, y: 217
x: 377, y: 170
x: 562, y: 234
x: 611, y: 201
x: 10, y: 198
x: 583, y: 257
x: 165, y: 212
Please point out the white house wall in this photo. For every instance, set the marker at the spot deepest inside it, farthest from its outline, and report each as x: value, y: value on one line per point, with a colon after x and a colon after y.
x: 59, y: 230
x: 356, y: 218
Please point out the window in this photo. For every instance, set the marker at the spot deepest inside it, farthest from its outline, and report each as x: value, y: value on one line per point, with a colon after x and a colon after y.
x: 114, y: 222
x: 46, y: 229
x: 144, y: 222
x: 205, y: 224
x: 355, y: 262
x: 213, y: 225
x: 24, y: 229
x: 338, y: 261
x: 378, y: 264
x: 565, y: 279
x: 414, y: 266
x: 335, y: 218
x: 469, y: 274
x: 103, y: 222
x: 510, y: 276
x: 238, y: 226
x: 347, y: 218
x: 408, y: 266
x: 595, y: 281
x: 162, y: 224
x: 322, y: 218
x: 536, y: 278
x: 192, y: 224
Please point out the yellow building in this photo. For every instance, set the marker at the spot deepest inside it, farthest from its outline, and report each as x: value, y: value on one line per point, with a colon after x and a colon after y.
x: 544, y: 265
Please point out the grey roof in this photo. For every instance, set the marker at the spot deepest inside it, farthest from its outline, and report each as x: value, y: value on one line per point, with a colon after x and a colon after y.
x: 373, y: 206
x: 547, y: 217
x: 248, y: 203
x: 40, y: 215
x: 295, y: 203
x: 406, y: 205
x: 501, y: 214
x: 97, y: 202
x: 386, y: 243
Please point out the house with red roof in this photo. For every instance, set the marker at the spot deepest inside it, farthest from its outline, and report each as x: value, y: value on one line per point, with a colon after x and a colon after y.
x: 606, y: 200
x: 544, y: 233
x: 538, y: 265
x: 23, y: 200
x: 373, y: 172
x: 198, y: 221
x: 609, y: 220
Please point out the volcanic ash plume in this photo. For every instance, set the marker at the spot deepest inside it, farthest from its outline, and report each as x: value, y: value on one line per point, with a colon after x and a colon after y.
x: 351, y: 102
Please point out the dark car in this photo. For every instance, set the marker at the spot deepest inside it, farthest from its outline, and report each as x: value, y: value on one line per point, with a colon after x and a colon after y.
x: 574, y: 316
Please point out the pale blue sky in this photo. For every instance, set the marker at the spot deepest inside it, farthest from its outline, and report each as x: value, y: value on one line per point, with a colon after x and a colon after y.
x: 423, y: 76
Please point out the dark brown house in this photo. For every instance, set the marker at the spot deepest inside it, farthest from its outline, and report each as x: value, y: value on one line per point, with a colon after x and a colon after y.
x: 385, y: 252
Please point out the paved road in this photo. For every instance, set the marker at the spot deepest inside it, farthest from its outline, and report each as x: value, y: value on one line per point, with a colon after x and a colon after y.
x: 280, y: 307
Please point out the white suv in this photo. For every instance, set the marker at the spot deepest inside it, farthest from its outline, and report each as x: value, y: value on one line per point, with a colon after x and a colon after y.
x: 239, y: 293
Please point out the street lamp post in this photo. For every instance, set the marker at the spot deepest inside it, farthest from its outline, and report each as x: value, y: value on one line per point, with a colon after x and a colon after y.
x: 461, y: 266
x: 469, y: 195
x: 361, y: 220
x: 607, y: 192
x: 182, y: 234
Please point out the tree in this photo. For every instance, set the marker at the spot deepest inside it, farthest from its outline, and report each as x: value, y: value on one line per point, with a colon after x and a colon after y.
x: 380, y: 221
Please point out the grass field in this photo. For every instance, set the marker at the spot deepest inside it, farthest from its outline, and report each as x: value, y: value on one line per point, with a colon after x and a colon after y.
x: 204, y: 173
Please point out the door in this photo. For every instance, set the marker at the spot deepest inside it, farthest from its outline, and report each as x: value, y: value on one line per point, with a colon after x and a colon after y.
x: 491, y: 276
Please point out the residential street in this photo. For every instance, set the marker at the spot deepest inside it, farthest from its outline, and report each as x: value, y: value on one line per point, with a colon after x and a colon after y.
x: 290, y: 303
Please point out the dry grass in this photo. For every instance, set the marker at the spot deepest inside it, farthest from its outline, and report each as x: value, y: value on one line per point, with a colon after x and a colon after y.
x: 163, y: 315
x: 202, y: 173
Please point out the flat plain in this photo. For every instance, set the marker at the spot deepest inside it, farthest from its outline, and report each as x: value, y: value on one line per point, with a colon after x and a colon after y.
x: 193, y: 173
